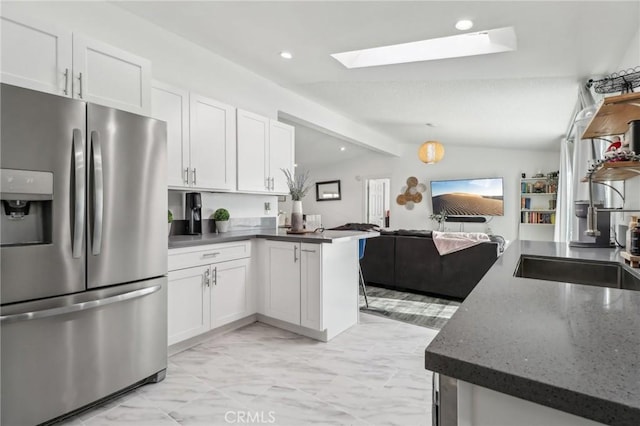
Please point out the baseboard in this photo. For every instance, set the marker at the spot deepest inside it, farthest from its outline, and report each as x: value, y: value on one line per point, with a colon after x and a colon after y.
x: 298, y: 329
x: 196, y: 340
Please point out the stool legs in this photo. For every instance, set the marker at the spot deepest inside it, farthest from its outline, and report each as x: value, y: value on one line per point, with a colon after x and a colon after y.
x: 364, y: 289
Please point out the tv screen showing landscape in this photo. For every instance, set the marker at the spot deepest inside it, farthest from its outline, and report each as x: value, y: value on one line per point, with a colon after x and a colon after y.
x: 468, y: 197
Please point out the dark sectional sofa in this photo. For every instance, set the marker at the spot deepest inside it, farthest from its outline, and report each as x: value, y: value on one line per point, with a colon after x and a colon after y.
x: 409, y: 260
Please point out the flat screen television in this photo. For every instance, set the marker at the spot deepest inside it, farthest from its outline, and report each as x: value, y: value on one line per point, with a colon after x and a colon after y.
x: 468, y: 197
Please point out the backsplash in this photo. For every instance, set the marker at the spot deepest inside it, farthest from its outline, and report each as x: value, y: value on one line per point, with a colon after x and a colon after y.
x: 240, y: 206
x: 179, y: 226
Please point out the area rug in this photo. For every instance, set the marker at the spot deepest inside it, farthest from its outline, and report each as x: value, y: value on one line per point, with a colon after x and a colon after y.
x: 431, y: 312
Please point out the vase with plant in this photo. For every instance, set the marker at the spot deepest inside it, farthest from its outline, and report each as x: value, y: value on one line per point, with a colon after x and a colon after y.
x: 440, y: 218
x: 298, y: 187
x: 170, y: 221
x: 221, y: 218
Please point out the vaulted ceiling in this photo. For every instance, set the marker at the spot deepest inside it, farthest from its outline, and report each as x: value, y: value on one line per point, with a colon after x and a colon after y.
x: 515, y: 99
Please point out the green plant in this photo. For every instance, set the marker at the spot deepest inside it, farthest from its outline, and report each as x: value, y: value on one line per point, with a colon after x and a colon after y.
x: 170, y: 216
x: 221, y: 214
x: 297, y: 184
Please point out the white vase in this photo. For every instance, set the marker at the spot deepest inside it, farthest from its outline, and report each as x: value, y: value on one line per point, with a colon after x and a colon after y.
x: 222, y: 225
x: 296, y: 216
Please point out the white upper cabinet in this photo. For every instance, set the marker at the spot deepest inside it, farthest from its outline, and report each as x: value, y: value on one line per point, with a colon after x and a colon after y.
x: 171, y: 104
x: 264, y: 147
x: 109, y: 76
x: 42, y: 57
x: 253, y: 148
x: 35, y: 55
x: 281, y: 154
x: 213, y: 144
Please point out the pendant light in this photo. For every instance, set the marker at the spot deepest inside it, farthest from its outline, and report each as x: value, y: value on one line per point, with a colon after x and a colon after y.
x: 431, y: 152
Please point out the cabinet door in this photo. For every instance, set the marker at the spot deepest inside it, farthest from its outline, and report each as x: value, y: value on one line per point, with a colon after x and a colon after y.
x: 171, y: 104
x: 281, y: 154
x: 213, y: 144
x: 230, y: 292
x: 35, y: 55
x: 189, y: 303
x: 282, y: 281
x: 310, y: 286
x: 109, y: 76
x: 253, y: 145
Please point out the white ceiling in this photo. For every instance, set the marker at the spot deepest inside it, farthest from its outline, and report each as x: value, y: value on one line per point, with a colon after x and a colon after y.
x: 514, y: 99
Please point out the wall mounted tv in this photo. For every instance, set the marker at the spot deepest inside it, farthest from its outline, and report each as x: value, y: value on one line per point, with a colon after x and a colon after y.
x: 468, y: 197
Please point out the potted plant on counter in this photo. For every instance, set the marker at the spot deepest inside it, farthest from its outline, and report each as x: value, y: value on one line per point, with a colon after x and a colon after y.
x: 298, y: 188
x: 170, y: 220
x: 221, y: 217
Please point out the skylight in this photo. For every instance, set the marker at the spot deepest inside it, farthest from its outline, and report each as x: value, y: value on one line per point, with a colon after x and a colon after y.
x: 469, y: 44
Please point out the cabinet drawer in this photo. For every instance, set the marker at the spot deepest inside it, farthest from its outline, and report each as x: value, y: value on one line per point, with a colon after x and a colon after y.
x: 204, y: 255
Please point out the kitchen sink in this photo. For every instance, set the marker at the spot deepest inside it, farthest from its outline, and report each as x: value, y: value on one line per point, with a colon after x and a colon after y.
x: 588, y: 272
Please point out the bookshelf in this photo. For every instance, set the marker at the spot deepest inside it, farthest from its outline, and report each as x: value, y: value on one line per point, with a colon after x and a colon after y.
x: 538, y: 200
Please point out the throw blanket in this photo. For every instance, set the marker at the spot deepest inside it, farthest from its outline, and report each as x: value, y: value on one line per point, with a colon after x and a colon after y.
x: 448, y: 242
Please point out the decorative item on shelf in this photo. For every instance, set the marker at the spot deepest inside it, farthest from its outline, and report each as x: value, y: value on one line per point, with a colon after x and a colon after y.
x: 298, y: 188
x: 411, y: 194
x: 221, y: 218
x: 623, y: 81
x: 170, y: 221
x: 440, y: 218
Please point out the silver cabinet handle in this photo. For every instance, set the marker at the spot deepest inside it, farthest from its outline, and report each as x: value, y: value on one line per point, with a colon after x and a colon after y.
x: 295, y: 254
x: 271, y: 185
x: 207, y: 278
x: 215, y: 276
x: 98, y: 193
x: 80, y: 86
x: 82, y: 306
x: 186, y: 176
x: 79, y: 196
x: 209, y: 255
x: 194, y: 176
x: 308, y: 251
x: 66, y: 81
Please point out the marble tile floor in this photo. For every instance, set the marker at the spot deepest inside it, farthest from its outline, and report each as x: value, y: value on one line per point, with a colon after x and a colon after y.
x: 372, y: 374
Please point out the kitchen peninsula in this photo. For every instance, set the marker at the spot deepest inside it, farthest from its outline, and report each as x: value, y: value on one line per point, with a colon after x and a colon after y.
x: 304, y: 283
x: 543, y: 349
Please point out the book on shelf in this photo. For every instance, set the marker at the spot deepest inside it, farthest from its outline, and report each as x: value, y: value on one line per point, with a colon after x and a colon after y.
x: 538, y: 217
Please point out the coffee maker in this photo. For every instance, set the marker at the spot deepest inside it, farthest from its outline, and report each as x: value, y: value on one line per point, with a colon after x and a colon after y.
x: 192, y: 213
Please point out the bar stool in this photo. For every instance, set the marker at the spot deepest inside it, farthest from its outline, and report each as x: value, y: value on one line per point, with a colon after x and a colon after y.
x: 361, y: 245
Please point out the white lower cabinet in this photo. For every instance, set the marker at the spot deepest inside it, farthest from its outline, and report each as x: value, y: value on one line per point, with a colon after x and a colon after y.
x: 210, y: 295
x: 189, y: 303
x: 292, y: 276
x: 231, y: 292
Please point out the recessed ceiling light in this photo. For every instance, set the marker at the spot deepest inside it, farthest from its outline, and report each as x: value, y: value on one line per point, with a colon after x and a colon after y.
x: 469, y: 44
x: 286, y: 55
x: 342, y: 148
x: 464, y: 24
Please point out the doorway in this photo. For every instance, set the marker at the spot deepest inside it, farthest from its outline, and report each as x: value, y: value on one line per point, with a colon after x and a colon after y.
x: 378, y: 201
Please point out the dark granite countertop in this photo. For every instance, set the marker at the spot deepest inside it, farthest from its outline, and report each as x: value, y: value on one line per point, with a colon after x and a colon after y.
x: 181, y: 241
x: 572, y: 347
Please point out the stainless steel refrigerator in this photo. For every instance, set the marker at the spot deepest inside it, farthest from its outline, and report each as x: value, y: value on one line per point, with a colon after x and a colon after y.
x: 83, y: 297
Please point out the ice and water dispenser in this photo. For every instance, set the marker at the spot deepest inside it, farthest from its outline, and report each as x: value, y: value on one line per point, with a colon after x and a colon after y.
x: 26, y: 217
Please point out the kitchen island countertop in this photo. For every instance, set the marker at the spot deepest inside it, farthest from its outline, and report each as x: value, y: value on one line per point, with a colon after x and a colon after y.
x: 572, y: 347
x: 280, y: 234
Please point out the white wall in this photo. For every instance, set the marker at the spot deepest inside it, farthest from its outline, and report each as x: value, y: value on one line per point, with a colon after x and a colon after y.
x: 458, y: 163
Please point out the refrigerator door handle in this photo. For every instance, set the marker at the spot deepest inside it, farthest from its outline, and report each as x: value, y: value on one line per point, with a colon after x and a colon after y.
x: 82, y: 306
x: 98, y: 193
x: 79, y: 195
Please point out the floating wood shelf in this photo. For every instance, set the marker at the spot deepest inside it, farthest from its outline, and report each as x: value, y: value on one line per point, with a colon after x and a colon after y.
x: 613, y: 116
x: 615, y: 170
